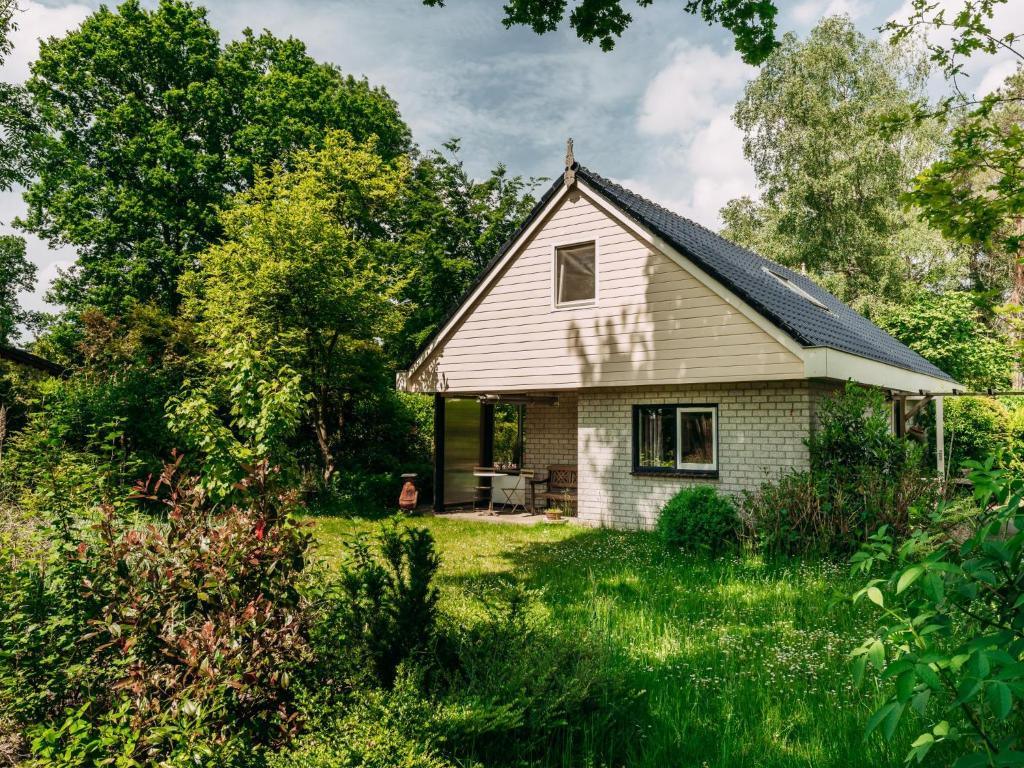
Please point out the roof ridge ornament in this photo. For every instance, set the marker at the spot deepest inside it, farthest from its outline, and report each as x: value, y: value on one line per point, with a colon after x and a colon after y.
x: 570, y: 164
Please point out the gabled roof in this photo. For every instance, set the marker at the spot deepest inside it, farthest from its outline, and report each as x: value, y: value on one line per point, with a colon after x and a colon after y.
x: 822, y: 321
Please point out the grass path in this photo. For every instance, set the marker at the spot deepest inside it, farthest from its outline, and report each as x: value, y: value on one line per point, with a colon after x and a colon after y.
x: 734, y: 662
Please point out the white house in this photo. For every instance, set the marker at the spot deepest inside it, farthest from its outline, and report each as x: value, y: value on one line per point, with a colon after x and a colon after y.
x: 646, y: 351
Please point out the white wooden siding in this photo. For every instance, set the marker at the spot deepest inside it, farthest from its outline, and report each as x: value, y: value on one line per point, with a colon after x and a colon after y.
x: 653, y: 323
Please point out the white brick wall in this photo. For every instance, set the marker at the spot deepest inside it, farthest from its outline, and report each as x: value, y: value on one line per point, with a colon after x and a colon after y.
x: 549, y: 433
x: 761, y: 430
x: 761, y: 426
x: 819, y: 391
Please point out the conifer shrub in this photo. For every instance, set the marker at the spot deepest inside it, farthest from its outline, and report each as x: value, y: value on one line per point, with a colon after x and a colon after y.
x: 382, y: 609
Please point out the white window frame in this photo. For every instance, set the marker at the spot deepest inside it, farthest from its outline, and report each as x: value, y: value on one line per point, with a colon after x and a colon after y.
x: 575, y: 243
x: 689, y: 465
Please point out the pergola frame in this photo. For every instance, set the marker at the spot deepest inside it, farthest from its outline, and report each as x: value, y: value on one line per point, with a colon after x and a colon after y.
x: 920, y: 401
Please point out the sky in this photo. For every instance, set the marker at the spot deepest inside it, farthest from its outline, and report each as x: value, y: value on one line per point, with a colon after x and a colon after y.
x: 654, y: 114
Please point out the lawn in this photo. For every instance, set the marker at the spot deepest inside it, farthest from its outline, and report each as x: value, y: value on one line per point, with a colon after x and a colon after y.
x: 733, y: 661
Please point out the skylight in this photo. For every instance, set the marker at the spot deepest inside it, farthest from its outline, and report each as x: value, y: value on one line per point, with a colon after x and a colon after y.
x: 796, y: 289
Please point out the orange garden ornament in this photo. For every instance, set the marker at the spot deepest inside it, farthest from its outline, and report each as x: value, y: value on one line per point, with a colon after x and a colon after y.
x: 409, y: 496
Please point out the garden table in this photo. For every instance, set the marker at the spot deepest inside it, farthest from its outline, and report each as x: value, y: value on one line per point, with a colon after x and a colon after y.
x: 488, y: 473
x: 510, y: 494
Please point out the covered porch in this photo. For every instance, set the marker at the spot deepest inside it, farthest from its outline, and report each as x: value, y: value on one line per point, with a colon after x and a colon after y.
x: 495, y: 451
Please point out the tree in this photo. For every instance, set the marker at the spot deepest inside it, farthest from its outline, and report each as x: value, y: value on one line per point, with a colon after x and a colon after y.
x: 972, y: 192
x: 264, y: 408
x: 145, y: 126
x: 123, y: 369
x: 752, y: 22
x: 17, y: 273
x: 13, y: 106
x: 963, y: 33
x: 7, y: 26
x: 830, y: 179
x: 306, y: 277
x: 950, y: 331
x: 949, y: 635
x: 453, y: 226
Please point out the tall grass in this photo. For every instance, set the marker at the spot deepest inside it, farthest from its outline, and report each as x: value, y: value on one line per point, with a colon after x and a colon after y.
x: 727, y: 662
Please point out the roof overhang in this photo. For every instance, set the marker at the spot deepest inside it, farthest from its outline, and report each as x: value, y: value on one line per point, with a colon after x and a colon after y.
x: 21, y: 357
x: 827, y: 363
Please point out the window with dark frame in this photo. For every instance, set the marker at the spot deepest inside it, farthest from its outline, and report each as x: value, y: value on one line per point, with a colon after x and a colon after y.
x: 575, y: 274
x: 675, y: 439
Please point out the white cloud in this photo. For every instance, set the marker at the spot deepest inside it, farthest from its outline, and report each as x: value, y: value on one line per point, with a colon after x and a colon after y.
x: 690, y: 102
x: 996, y: 76
x: 695, y: 84
x: 720, y: 171
x: 37, y: 22
x: 984, y: 73
x: 47, y: 273
x: 708, y: 173
x: 1007, y: 17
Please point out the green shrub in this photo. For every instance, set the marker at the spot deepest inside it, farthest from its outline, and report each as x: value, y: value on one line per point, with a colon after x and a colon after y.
x: 504, y: 688
x: 123, y: 370
x: 1015, y: 436
x: 386, y: 434
x: 853, y: 435
x: 976, y: 428
x: 785, y: 516
x: 801, y: 513
x: 377, y: 729
x: 381, y: 611
x: 951, y: 329
x: 354, y: 743
x: 515, y: 688
x: 949, y: 641
x: 699, y: 519
x: 165, y: 637
x: 263, y: 408
x: 862, y: 477
x: 359, y: 493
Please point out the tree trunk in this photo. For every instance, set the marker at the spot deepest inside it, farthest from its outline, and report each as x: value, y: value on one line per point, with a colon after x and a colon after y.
x: 1016, y: 299
x: 323, y: 441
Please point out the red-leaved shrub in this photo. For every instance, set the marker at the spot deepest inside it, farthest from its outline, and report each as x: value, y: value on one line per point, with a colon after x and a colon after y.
x: 181, y: 627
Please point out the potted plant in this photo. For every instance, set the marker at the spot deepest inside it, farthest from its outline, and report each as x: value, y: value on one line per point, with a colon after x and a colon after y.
x: 563, y: 510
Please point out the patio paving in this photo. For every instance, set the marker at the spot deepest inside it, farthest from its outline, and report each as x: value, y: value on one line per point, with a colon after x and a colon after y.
x: 508, y: 518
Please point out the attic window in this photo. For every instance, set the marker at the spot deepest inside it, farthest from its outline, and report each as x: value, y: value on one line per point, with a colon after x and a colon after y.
x: 575, y: 275
x: 786, y: 282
